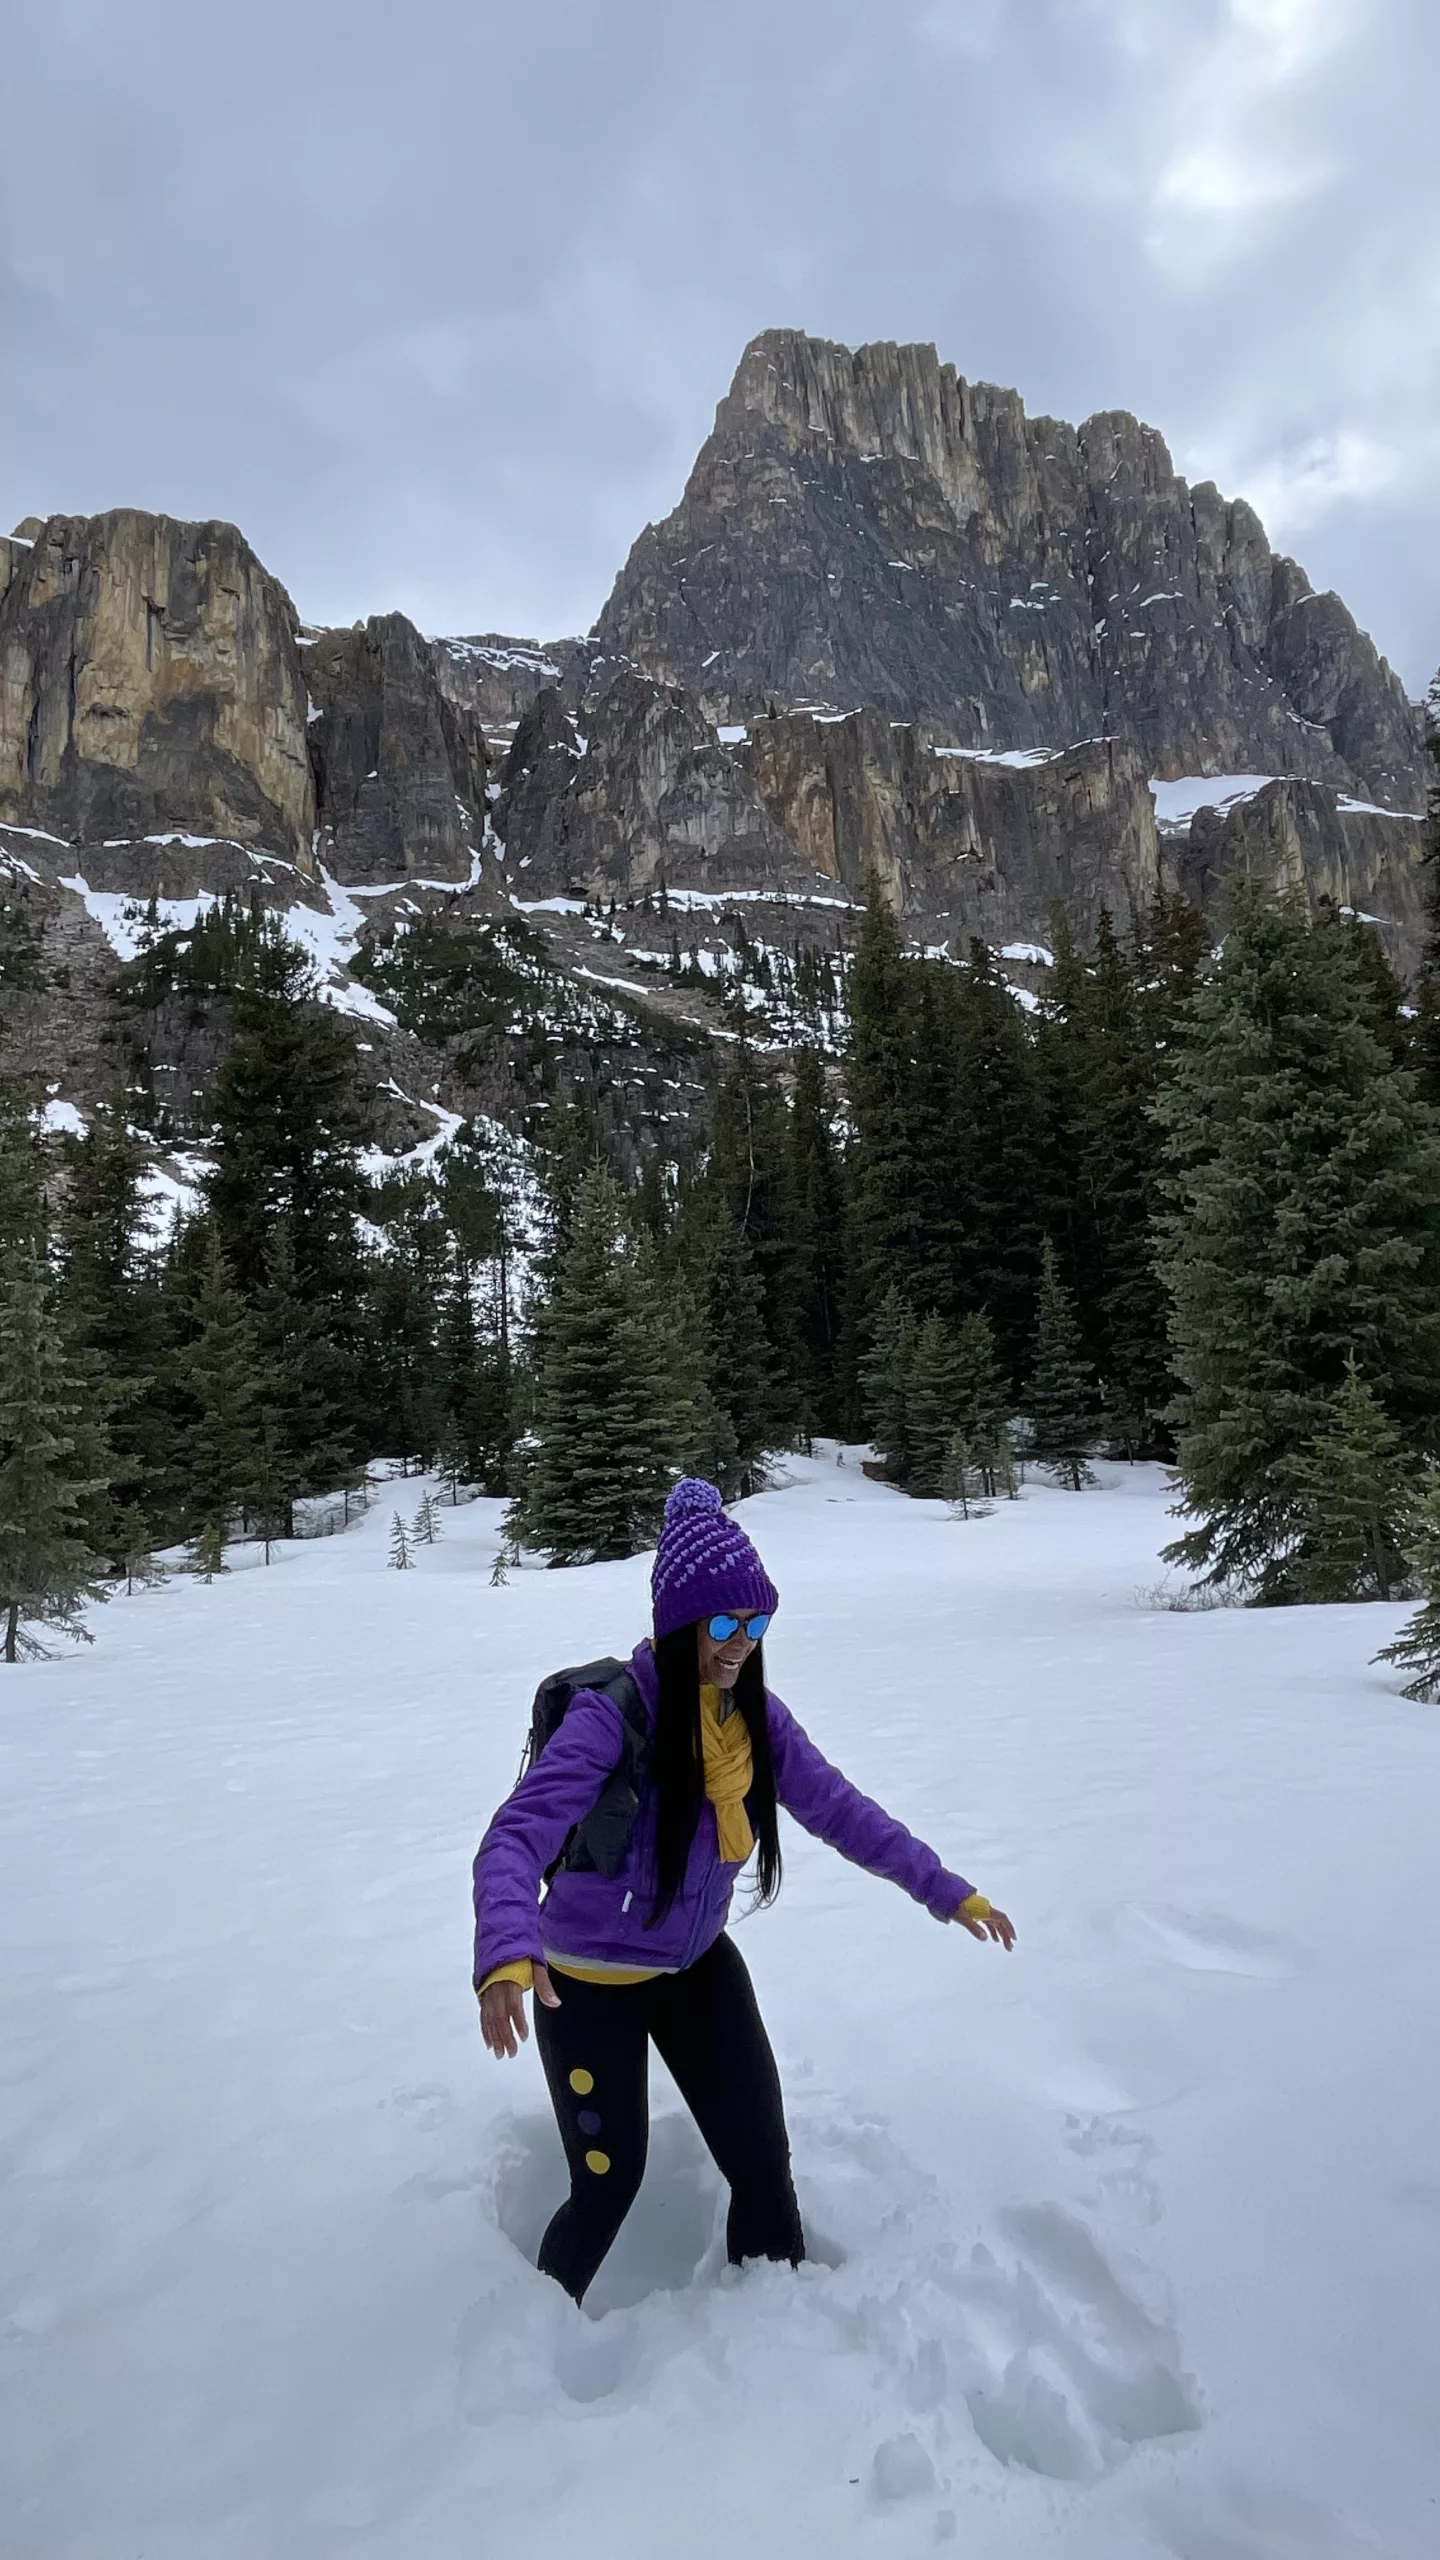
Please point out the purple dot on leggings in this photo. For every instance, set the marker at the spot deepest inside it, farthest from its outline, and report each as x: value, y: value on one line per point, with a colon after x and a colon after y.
x: 588, y: 2120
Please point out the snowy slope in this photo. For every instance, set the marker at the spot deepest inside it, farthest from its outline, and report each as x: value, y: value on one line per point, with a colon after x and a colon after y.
x: 1127, y: 2245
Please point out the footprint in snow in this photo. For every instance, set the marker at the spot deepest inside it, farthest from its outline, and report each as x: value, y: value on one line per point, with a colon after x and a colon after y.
x: 1048, y: 2352
x: 1121, y: 2158
x: 1079, y: 2369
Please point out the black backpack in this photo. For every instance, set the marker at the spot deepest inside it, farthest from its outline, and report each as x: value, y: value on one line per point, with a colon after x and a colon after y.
x: 600, y: 1839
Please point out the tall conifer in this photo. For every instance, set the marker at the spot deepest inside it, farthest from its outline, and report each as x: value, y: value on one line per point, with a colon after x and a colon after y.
x: 52, y: 1462
x: 607, y: 1429
x: 1061, y: 1402
x: 1303, y: 1224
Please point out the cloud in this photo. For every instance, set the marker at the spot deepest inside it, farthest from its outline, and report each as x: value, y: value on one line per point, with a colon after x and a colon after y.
x: 437, y: 302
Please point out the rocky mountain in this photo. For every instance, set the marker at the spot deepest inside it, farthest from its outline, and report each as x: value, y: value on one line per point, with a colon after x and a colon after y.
x: 869, y: 528
x: 893, y: 626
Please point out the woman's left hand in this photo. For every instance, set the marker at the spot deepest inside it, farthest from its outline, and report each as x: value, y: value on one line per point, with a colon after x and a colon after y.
x: 987, y: 1923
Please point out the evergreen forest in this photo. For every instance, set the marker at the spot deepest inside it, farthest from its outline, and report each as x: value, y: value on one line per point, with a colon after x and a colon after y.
x: 1181, y: 1203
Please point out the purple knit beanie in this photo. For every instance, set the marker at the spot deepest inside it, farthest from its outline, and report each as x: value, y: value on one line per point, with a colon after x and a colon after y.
x: 704, y: 1561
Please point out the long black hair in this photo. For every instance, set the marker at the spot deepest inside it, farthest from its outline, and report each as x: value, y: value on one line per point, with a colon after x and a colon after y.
x: 677, y: 1767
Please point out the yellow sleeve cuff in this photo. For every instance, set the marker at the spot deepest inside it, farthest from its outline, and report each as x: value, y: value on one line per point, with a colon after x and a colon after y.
x: 521, y: 1971
x: 974, y: 1907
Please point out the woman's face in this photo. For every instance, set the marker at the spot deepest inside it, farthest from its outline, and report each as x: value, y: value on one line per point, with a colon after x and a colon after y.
x: 721, y: 1664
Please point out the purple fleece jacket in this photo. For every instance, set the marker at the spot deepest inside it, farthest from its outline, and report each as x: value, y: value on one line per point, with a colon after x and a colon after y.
x: 601, y: 1919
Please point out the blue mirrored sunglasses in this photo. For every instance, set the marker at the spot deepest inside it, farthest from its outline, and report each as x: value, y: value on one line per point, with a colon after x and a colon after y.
x: 723, y: 1625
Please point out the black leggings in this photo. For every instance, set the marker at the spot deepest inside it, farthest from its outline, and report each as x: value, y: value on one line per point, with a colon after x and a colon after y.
x: 708, y: 2031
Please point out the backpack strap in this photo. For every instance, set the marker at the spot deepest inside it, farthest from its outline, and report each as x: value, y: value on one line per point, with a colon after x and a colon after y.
x: 601, y: 1837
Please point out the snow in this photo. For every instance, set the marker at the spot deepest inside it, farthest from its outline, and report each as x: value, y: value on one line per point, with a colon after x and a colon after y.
x: 124, y: 921
x: 329, y: 937
x: 418, y: 1159
x: 61, y: 1119
x: 1125, y: 2246
x: 1177, y: 802
x: 174, y: 1192
x: 732, y: 733
x: 39, y: 835
x: 1019, y: 757
x: 1034, y: 952
x: 1371, y: 809
x: 532, y: 660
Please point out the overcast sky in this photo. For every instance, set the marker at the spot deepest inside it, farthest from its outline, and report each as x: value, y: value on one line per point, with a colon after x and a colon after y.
x: 435, y: 298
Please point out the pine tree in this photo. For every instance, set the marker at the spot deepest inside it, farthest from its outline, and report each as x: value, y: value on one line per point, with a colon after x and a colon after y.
x: 270, y: 1495
x: 304, y: 1383
x: 746, y: 1183
x: 133, y: 1546
x: 930, y: 1412
x: 406, y: 1370
x: 500, y: 1570
x: 741, y: 1369
x: 1061, y: 1401
x: 52, y: 1461
x: 451, y: 1456
x: 885, y: 1380
x: 425, y: 1527
x: 289, y: 1117
x: 817, y: 1206
x: 1000, y: 1158
x: 1426, y: 1027
x: 114, y: 1311
x: 1103, y: 1063
x: 957, y: 1473
x: 1417, y: 1647
x: 981, y: 1400
x: 1303, y: 1225
x: 400, y: 1556
x: 885, y: 1235
x: 606, y: 1427
x: 222, y: 1451
x: 1356, y: 1502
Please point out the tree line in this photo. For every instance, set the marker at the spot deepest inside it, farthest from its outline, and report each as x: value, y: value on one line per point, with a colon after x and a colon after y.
x: 1183, y: 1203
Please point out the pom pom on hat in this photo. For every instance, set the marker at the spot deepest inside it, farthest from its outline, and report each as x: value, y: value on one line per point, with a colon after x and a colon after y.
x: 704, y: 1561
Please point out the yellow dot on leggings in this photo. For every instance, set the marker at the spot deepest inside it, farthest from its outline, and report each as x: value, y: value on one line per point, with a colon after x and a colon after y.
x: 582, y: 2082
x: 599, y: 2161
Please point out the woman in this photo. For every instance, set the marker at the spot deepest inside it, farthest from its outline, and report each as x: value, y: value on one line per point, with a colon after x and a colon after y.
x: 643, y: 1955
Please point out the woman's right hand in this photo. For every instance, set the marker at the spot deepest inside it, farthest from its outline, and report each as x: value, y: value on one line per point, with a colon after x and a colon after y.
x: 502, y: 2012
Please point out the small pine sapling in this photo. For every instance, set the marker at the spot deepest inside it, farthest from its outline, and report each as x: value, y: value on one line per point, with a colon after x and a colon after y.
x: 205, y: 1555
x: 425, y: 1527
x: 500, y: 1569
x: 955, y: 1476
x: 400, y: 1557
x: 134, y: 1549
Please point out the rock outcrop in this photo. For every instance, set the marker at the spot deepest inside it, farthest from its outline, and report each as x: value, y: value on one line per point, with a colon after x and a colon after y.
x: 493, y: 680
x: 400, y: 768
x: 868, y: 528
x: 643, y: 793
x: 150, y: 679
x: 1297, y: 835
x: 967, y: 845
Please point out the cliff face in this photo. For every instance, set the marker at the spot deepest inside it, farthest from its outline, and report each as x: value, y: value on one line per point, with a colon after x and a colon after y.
x: 966, y: 845
x: 870, y: 528
x: 400, y: 770
x: 644, y: 792
x: 150, y: 680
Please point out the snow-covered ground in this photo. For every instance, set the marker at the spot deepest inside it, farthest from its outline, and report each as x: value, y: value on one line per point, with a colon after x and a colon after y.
x: 1125, y: 2245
